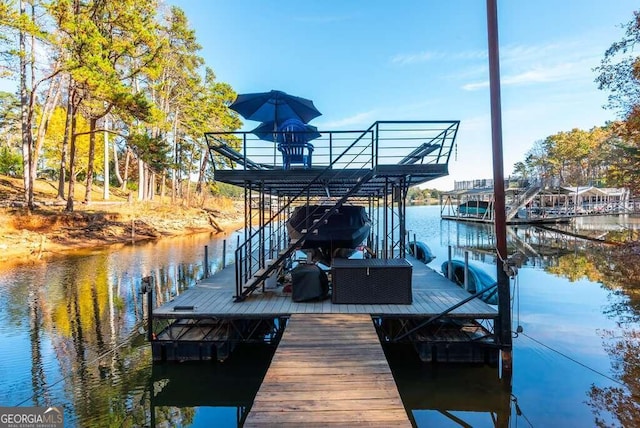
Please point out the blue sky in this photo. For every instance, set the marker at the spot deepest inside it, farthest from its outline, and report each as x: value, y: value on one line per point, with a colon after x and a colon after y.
x: 362, y: 61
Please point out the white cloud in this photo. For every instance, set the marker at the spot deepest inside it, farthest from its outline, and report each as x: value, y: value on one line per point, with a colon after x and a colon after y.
x: 528, y: 53
x: 414, y: 58
x: 365, y: 118
x: 426, y: 56
x: 556, y: 69
x: 520, y: 64
x: 557, y: 73
x: 475, y: 86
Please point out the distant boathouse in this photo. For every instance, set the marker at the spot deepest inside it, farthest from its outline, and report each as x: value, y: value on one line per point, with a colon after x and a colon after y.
x: 533, y: 202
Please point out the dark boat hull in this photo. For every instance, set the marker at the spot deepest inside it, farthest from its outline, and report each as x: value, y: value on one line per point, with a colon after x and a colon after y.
x: 347, y: 228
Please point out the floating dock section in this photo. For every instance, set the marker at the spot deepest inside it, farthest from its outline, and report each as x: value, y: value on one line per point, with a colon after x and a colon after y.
x: 205, y: 322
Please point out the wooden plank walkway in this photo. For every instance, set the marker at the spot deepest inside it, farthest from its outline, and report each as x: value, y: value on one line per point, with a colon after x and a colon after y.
x: 328, y: 370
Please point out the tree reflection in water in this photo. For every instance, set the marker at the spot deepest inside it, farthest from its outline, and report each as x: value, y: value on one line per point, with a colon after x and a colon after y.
x: 621, y: 401
x: 614, y: 264
x: 81, y: 316
x: 618, y: 269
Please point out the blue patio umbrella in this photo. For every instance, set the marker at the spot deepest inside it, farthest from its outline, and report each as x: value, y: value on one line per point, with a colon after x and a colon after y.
x: 274, y: 106
x: 265, y: 131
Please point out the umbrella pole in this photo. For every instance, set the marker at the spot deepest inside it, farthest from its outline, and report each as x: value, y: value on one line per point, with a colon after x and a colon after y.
x: 275, y: 139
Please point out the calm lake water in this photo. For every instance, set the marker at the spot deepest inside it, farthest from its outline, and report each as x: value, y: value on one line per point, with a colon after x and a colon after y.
x: 71, y: 335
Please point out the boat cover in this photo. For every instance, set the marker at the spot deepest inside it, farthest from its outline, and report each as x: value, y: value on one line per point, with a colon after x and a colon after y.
x: 309, y: 282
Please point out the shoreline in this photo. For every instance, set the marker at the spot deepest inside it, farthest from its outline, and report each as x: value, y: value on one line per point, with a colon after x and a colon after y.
x: 29, y: 238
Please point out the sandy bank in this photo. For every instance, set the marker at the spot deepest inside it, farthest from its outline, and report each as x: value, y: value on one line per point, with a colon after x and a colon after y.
x: 29, y: 238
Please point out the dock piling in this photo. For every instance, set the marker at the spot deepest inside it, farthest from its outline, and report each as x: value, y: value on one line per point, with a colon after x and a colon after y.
x: 206, y: 261
x: 224, y: 253
x: 147, y: 289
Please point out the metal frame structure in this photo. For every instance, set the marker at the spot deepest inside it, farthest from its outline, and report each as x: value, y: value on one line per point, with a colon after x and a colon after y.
x: 212, y: 338
x: 374, y: 169
x: 377, y: 165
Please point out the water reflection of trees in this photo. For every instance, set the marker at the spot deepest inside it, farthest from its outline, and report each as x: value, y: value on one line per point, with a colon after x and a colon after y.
x: 575, y: 267
x: 623, y: 403
x: 620, y: 270
x: 89, y: 312
x: 617, y: 268
x: 543, y: 247
x: 105, y: 378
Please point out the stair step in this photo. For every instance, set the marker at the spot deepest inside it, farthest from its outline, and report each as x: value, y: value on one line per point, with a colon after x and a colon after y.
x: 284, y: 250
x: 261, y: 271
x: 249, y: 283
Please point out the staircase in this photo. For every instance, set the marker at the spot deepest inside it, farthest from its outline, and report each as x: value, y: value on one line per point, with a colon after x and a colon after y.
x: 253, y: 267
x: 523, y: 200
x: 378, y: 165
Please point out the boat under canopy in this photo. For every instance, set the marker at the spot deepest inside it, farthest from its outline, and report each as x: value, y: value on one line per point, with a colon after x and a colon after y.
x: 347, y: 228
x: 478, y: 208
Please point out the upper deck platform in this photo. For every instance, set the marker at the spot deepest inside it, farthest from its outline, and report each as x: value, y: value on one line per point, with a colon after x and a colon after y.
x: 414, y: 151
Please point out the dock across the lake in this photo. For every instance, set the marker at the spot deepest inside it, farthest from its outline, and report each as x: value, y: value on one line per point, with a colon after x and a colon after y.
x: 328, y: 370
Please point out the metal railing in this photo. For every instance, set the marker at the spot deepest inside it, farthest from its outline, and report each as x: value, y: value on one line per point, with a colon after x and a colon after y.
x: 383, y: 143
x: 251, y: 267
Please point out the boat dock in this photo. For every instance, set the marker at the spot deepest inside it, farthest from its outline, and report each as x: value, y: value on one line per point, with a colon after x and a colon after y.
x: 206, y: 322
x: 328, y: 370
x: 531, y: 202
x: 329, y: 367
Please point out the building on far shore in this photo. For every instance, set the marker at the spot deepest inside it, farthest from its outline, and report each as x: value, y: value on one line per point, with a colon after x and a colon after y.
x: 530, y: 200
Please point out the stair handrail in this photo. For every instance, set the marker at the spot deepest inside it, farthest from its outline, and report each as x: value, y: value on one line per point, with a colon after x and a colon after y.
x: 245, y: 271
x: 259, y: 279
x: 240, y: 278
x: 526, y: 197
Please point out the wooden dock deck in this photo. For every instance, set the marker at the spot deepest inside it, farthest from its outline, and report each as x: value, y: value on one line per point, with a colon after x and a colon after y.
x: 205, y: 322
x: 328, y: 370
x: 213, y: 297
